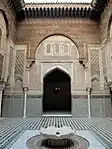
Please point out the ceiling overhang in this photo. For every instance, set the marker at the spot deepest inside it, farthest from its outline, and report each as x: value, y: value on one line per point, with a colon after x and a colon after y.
x: 93, y: 12
x: 72, y: 12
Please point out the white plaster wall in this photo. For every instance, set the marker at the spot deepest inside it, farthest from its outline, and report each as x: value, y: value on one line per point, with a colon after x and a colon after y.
x: 33, y: 77
x: 79, y: 77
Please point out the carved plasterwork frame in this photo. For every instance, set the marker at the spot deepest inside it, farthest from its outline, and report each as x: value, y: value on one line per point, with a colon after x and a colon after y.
x: 67, y: 67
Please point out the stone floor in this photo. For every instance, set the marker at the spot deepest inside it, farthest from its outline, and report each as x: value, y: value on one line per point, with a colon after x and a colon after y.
x: 11, y: 128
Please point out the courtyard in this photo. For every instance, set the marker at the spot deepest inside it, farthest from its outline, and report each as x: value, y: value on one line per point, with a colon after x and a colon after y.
x: 11, y: 129
x: 55, y: 58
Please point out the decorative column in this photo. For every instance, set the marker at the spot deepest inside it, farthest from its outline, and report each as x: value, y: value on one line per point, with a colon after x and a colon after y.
x: 88, y: 85
x: 25, y: 89
x: 110, y: 86
x: 2, y: 85
x: 89, y: 102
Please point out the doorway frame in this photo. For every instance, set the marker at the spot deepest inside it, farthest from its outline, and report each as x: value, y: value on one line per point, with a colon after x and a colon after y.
x: 57, y: 65
x: 50, y: 70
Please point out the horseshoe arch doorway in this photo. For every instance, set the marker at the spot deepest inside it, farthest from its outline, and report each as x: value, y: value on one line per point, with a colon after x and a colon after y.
x: 57, y: 92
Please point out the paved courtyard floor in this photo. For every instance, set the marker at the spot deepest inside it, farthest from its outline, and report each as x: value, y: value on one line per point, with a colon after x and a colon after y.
x: 11, y: 129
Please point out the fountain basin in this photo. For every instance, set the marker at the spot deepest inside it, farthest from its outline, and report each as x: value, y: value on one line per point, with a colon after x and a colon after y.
x: 55, y: 133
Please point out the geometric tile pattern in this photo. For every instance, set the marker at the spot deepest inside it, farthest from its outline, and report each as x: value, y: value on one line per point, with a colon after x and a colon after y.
x: 19, y: 65
x: 94, y: 59
x: 12, y: 127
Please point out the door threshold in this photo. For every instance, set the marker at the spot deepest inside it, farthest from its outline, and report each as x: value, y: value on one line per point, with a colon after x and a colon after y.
x: 49, y: 114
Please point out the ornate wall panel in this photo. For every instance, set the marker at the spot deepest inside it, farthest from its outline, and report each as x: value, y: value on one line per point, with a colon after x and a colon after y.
x: 20, y: 60
x: 19, y: 65
x: 94, y: 62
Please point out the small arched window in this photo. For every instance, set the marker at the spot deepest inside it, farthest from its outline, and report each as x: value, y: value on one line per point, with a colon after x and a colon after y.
x: 56, y: 49
x: 66, y: 49
x: 48, y: 49
x: 0, y: 38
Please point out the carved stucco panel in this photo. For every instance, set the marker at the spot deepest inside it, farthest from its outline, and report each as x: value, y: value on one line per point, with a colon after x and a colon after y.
x: 67, y: 67
x: 94, y: 57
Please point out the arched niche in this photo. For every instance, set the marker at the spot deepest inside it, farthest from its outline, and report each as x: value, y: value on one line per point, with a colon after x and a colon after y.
x: 95, y: 84
x: 18, y: 84
x: 57, y: 47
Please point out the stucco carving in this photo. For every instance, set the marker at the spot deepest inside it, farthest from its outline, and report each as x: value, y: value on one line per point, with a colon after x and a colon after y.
x: 57, y: 48
x: 67, y: 67
x: 94, y: 58
x: 57, y: 45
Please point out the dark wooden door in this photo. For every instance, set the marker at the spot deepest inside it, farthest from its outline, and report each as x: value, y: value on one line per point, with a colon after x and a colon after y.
x: 57, y: 95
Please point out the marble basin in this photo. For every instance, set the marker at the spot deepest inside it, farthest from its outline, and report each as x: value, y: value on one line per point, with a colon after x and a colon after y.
x: 57, y: 133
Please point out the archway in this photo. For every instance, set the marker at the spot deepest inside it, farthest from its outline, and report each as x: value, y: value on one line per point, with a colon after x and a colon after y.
x: 57, y: 92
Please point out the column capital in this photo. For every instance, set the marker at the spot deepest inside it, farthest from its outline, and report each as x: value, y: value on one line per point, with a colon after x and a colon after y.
x: 88, y: 89
x: 25, y: 89
x: 2, y: 85
x: 110, y: 85
x: 86, y: 64
x: 30, y: 62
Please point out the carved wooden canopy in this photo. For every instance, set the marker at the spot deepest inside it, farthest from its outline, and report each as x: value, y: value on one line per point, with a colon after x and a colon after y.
x: 93, y: 12
x: 74, y: 12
